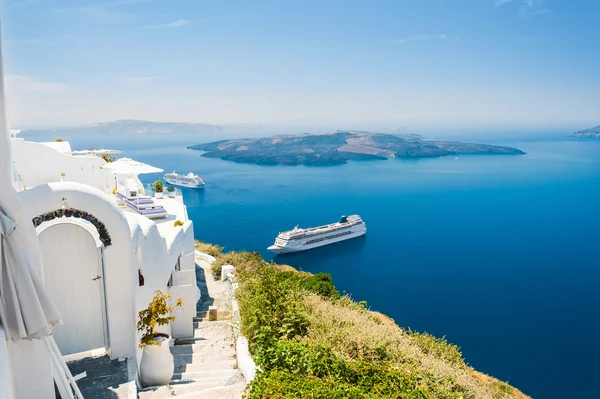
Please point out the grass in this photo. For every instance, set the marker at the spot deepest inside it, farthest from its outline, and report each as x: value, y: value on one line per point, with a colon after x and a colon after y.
x: 210, y: 249
x: 310, y: 342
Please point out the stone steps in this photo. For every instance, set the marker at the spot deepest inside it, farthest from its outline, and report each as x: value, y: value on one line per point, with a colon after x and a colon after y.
x: 195, y: 390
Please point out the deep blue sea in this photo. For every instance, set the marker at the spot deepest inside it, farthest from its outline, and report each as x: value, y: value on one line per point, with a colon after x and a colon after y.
x: 500, y: 254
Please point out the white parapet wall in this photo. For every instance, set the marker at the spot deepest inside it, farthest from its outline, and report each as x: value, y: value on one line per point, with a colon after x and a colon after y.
x: 246, y: 364
x: 39, y: 163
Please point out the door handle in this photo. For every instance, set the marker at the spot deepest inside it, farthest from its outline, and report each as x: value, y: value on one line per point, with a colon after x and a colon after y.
x: 96, y: 278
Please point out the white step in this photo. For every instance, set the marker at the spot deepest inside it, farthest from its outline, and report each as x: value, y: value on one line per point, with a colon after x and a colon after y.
x: 225, y: 376
x: 222, y: 364
x: 200, y: 346
x: 194, y: 389
x: 185, y: 362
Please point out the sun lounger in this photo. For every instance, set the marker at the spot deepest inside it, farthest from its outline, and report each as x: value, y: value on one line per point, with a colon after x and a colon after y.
x: 150, y: 210
x: 142, y: 199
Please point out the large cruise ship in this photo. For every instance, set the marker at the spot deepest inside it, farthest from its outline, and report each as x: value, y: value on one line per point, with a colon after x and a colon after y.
x: 302, y: 239
x: 190, y: 180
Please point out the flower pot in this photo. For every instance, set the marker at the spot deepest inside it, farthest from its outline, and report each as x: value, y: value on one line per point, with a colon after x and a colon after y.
x: 171, y: 194
x: 158, y: 195
x: 157, y: 366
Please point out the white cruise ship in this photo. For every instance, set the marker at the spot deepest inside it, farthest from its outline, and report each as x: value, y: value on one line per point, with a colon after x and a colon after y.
x: 190, y: 180
x: 302, y: 239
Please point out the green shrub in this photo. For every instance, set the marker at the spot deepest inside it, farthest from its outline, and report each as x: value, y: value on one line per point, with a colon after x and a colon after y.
x: 240, y: 260
x: 210, y: 249
x: 310, y: 342
x: 177, y: 223
x: 320, y: 284
x: 158, y: 186
x: 301, y: 370
x: 270, y: 306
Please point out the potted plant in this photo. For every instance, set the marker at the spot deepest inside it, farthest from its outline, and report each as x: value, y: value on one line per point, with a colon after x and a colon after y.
x: 62, y: 176
x: 157, y: 366
x: 171, y: 191
x: 158, y: 187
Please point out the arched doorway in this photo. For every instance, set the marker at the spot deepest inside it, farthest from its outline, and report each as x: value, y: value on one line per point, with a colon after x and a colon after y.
x: 74, y: 277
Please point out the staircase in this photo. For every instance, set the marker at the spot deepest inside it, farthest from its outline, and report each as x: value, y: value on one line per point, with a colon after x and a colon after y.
x: 205, y: 365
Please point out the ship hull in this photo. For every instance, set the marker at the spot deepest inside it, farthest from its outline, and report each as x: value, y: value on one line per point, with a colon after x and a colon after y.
x: 301, y: 246
x: 184, y: 184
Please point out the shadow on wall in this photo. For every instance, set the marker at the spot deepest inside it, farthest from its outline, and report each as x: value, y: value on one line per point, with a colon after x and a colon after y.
x: 206, y: 300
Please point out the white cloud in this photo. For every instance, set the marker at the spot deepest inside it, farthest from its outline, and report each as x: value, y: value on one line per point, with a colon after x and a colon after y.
x: 137, y: 80
x: 528, y: 8
x: 18, y: 83
x: 175, y: 24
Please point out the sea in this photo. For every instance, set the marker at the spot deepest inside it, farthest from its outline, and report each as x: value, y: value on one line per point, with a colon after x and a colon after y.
x: 499, y: 254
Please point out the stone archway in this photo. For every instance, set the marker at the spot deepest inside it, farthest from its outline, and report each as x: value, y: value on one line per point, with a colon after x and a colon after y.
x: 76, y: 213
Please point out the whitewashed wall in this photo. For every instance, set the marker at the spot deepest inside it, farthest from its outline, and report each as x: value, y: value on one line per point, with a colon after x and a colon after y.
x: 156, y: 256
x: 38, y: 164
x: 136, y: 243
x: 119, y: 267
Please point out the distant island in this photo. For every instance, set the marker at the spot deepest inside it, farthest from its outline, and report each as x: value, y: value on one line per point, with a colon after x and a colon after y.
x: 141, y: 127
x: 338, y: 148
x: 592, y: 133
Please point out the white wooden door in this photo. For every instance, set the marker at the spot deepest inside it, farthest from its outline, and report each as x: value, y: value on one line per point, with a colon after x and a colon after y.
x: 73, y: 277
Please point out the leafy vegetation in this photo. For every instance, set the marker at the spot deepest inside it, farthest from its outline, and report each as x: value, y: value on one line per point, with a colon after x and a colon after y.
x: 210, y: 249
x: 311, y: 342
x: 158, y: 186
x: 107, y: 158
x: 156, y: 314
x: 177, y: 223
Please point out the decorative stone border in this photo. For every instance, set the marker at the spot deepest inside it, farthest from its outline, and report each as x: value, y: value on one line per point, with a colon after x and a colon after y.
x: 76, y: 213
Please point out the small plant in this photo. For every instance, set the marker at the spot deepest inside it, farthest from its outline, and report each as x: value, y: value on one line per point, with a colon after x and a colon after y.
x: 107, y: 158
x: 177, y: 223
x: 114, y: 191
x: 210, y: 249
x: 158, y: 186
x: 156, y: 314
x: 59, y: 140
x: 170, y: 189
x: 63, y: 174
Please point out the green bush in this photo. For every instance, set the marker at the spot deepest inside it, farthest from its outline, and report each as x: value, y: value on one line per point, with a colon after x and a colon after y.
x: 301, y: 370
x: 240, y: 260
x: 158, y: 186
x: 270, y: 306
x: 310, y: 342
x: 210, y: 249
x: 320, y: 284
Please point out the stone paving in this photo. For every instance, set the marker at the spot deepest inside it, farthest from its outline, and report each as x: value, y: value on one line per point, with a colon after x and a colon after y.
x: 106, y: 379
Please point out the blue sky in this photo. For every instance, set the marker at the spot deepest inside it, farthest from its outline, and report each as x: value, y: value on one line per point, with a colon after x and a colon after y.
x: 529, y: 64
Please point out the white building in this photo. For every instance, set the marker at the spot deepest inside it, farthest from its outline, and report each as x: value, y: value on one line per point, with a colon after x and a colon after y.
x: 102, y: 262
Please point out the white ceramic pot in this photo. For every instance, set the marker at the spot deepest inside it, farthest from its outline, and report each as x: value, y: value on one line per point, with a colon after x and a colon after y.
x: 171, y: 194
x: 158, y: 195
x: 157, y: 364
